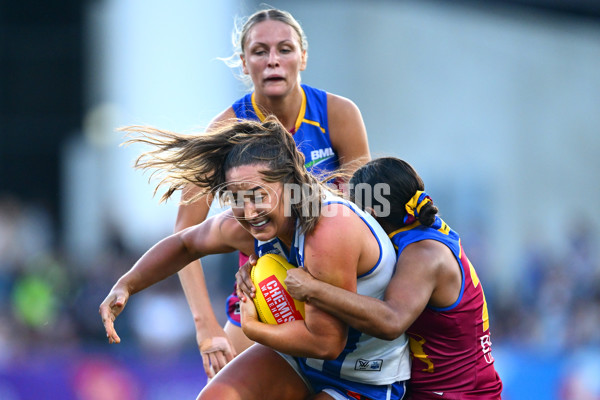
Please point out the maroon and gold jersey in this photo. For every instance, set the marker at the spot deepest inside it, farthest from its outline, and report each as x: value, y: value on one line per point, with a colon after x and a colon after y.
x: 451, y: 347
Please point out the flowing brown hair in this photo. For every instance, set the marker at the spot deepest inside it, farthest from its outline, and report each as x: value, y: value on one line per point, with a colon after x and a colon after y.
x: 203, y: 160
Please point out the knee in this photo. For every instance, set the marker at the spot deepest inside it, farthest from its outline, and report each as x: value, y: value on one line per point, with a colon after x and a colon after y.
x: 217, y: 391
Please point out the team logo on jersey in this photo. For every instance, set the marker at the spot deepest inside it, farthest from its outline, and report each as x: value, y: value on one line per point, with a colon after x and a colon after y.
x: 368, y: 365
x: 320, y: 155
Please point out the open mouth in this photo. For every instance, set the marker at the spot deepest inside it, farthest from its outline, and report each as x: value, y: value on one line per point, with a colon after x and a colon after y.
x: 258, y: 224
x: 274, y: 79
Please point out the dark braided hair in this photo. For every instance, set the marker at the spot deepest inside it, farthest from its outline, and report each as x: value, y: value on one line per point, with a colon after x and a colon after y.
x: 403, y: 183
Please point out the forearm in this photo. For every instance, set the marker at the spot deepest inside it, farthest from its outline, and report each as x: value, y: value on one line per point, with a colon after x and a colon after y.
x: 196, y: 293
x: 366, y: 314
x: 304, y: 343
x: 163, y: 260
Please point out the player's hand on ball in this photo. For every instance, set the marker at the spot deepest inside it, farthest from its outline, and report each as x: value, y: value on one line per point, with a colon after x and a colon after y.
x: 298, y: 282
x: 110, y: 308
x: 245, y: 286
x: 248, y: 312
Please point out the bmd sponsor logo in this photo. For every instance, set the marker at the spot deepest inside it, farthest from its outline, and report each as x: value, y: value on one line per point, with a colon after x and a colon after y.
x: 368, y: 365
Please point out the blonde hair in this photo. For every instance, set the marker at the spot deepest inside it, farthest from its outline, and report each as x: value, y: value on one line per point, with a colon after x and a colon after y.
x: 203, y: 160
x: 240, y: 33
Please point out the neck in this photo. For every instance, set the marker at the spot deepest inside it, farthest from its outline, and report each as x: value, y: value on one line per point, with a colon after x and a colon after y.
x: 287, y: 236
x: 387, y: 227
x: 285, y: 108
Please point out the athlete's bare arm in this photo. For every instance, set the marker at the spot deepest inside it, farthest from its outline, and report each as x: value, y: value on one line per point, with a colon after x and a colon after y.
x: 426, y: 274
x: 347, y: 132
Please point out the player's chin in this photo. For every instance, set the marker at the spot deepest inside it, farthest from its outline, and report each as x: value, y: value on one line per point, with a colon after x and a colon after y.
x: 275, y: 89
x: 263, y: 235
x: 263, y: 230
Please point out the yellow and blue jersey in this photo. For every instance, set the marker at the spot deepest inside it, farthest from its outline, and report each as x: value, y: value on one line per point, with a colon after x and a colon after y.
x: 311, y: 131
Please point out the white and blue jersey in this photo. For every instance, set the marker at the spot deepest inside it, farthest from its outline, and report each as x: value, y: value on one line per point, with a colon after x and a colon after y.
x: 371, y: 367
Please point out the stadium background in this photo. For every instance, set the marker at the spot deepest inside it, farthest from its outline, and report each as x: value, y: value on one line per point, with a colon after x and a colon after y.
x: 497, y: 105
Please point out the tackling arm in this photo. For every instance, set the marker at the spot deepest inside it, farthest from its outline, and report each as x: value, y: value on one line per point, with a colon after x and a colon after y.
x: 407, y: 294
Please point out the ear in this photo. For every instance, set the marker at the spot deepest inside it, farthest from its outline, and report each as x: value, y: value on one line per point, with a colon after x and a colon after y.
x: 304, y: 59
x: 244, y: 68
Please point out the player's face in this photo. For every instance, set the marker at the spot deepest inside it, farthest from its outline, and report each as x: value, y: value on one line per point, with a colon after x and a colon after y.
x: 273, y: 58
x: 258, y: 205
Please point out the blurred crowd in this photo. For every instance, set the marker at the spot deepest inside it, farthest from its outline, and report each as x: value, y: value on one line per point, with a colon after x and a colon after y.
x: 555, y: 301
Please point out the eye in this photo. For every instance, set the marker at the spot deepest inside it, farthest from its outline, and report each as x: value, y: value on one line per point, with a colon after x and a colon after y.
x: 259, y: 198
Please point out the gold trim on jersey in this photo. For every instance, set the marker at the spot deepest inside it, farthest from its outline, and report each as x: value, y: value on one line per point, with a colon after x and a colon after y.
x: 300, y: 117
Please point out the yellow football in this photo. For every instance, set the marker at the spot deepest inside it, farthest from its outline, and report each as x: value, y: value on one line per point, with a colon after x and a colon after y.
x: 273, y: 302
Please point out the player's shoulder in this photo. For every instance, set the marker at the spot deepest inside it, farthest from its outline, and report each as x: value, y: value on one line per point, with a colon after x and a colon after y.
x: 337, y: 223
x: 337, y: 102
x: 342, y: 112
x: 232, y: 232
x: 428, y: 253
x: 225, y: 220
x: 226, y: 115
